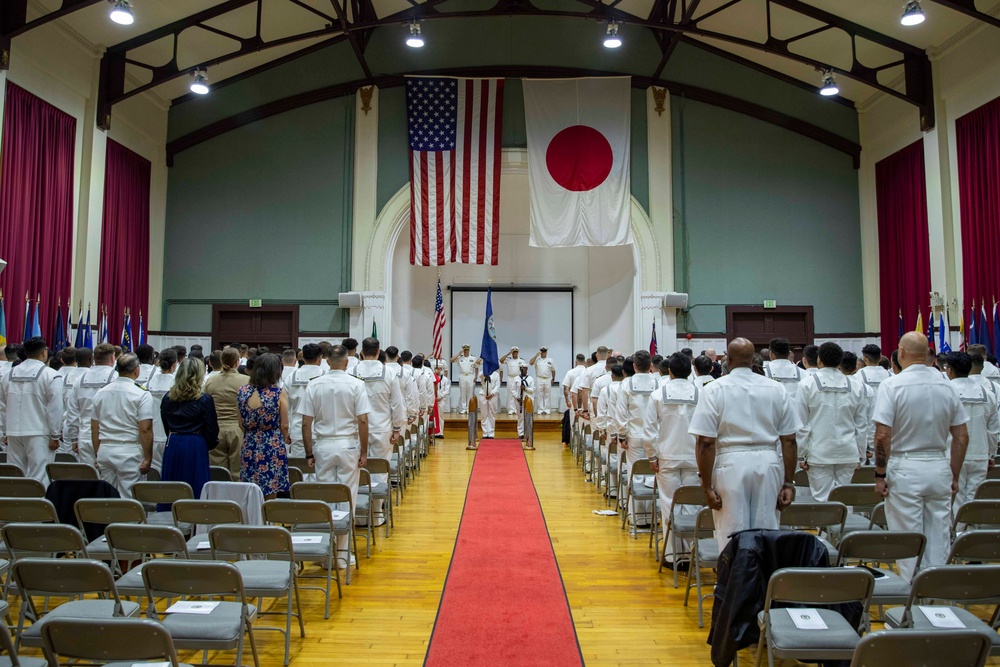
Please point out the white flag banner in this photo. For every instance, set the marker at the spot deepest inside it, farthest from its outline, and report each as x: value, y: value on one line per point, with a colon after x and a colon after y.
x: 578, y: 161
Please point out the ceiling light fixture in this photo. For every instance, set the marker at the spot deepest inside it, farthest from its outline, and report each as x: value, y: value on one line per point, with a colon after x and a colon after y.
x: 414, y: 41
x: 121, y: 13
x: 829, y: 86
x: 611, y: 39
x: 199, y: 85
x: 912, y: 13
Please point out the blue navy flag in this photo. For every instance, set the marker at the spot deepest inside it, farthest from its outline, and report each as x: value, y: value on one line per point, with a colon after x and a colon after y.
x: 488, y: 353
x: 88, y: 332
x: 944, y: 333
x: 983, y: 329
x: 79, y: 328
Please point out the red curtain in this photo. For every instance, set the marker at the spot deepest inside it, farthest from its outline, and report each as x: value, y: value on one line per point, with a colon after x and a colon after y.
x: 36, y: 207
x: 125, y: 240
x: 978, y: 137
x: 903, y: 245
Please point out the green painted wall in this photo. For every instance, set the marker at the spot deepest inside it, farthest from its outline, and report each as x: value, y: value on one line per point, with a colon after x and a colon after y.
x: 762, y: 213
x: 263, y: 212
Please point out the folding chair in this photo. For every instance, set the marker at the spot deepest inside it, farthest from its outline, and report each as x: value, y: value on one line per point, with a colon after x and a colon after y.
x: 860, y: 500
x: 219, y: 474
x: 942, y: 648
x: 21, y: 487
x: 803, y: 494
x: 7, y: 644
x: 145, y: 542
x: 878, y: 518
x: 988, y: 490
x: 875, y: 547
x: 39, y: 540
x: 963, y: 584
x: 27, y: 510
x: 993, y: 474
x: 682, y: 523
x: 822, y: 517
x: 10, y: 470
x: 976, y: 514
x: 295, y: 475
x: 66, y: 457
x: 79, y: 471
x: 600, y: 459
x: 819, y: 586
x: 221, y: 629
x: 704, y: 553
x: 123, y: 640
x: 364, y: 510
x: 104, y: 511
x: 333, y: 494
x: 978, y: 546
x: 203, y: 515
x: 63, y: 578
x: 640, y: 493
x: 264, y: 578
x: 864, y: 475
x: 162, y: 493
x: 396, y: 477
x: 381, y: 491
x: 303, y: 514
x: 612, y: 466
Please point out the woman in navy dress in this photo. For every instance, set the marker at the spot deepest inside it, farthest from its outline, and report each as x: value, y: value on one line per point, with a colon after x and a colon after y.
x: 263, y: 410
x: 191, y: 427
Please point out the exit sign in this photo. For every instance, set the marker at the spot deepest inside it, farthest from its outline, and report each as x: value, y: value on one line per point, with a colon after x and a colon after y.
x: 256, y: 303
x: 770, y: 303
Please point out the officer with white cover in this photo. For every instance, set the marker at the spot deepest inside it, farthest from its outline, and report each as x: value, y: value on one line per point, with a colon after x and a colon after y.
x: 545, y: 373
x: 121, y: 428
x: 781, y: 369
x: 295, y: 388
x: 834, y: 433
x: 159, y: 385
x: 630, y: 413
x: 872, y: 375
x: 984, y: 426
x: 31, y: 408
x: 80, y: 405
x: 521, y: 386
x: 489, y: 403
x: 665, y: 438
x: 915, y: 472
x: 467, y: 370
x: 335, y: 430
x: 739, y: 422
x: 510, y: 363
x: 387, y: 416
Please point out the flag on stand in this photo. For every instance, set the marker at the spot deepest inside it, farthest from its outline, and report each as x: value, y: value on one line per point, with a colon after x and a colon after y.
x: 454, y: 130
x: 973, y: 334
x: 103, y: 330
x: 79, y: 342
x: 944, y: 333
x: 902, y: 329
x: 652, y: 341
x: 439, y: 320
x: 962, y: 343
x: 374, y: 329
x: 59, y: 338
x: 3, y: 322
x: 126, y: 333
x: 578, y: 133
x: 27, y: 318
x: 36, y: 328
x: 488, y: 352
x: 920, y: 321
x: 983, y: 329
x: 930, y: 329
x: 142, y: 331
x: 69, y: 324
x: 88, y: 332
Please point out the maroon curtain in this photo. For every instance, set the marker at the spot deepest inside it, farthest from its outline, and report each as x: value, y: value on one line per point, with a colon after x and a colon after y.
x: 125, y: 240
x: 978, y: 137
x: 36, y: 207
x: 903, y: 246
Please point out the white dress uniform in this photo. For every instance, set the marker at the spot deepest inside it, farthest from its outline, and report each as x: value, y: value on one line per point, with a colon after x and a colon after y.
x: 511, y: 371
x: 466, y: 381
x: 545, y: 373
x: 71, y: 376
x: 834, y: 433
x: 630, y: 413
x: 567, y: 385
x: 701, y: 380
x: 984, y: 432
x: 286, y: 372
x: 872, y: 377
x: 443, y: 399
x: 387, y: 413
x: 146, y: 371
x: 80, y: 409
x: 118, y: 409
x: 406, y: 387
x: 606, y: 402
x: 665, y: 438
x: 335, y: 400
x: 595, y: 393
x: 159, y: 386
x: 589, y: 376
x: 521, y: 388
x: 788, y: 374
x: 489, y: 402
x: 295, y: 388
x: 31, y: 412
x: 920, y: 407
x: 352, y: 363
x: 747, y: 414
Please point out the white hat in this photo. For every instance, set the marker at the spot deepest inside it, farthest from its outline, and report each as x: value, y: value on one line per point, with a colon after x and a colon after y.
x: 514, y: 349
x: 466, y: 346
x: 523, y: 364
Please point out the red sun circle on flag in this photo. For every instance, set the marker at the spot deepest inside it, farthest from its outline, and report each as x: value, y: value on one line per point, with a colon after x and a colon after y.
x: 579, y: 158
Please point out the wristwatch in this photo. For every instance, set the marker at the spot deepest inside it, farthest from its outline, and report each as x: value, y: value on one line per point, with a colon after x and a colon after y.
x: 880, y: 475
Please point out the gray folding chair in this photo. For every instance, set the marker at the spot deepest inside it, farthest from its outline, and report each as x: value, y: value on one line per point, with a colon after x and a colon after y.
x: 295, y: 475
x: 151, y: 494
x: 104, y: 511
x: 65, y: 577
x: 147, y: 542
x: 119, y: 642
x: 66, y: 457
x: 21, y: 487
x: 975, y: 546
x: 10, y: 470
x: 264, y: 578
x: 219, y: 474
x: 27, y: 510
x: 12, y: 659
x: 381, y: 492
x: 220, y: 630
x: 942, y: 648
x: 962, y: 584
x: 640, y: 493
x: 994, y: 473
x: 988, y: 490
x: 364, y: 510
x: 977, y: 514
x: 302, y: 514
x: 864, y: 475
x: 682, y: 523
x: 303, y: 465
x: 337, y: 496
x: 203, y: 515
x: 803, y: 494
x: 826, y: 518
x: 877, y: 520
x: 819, y: 586
x: 704, y: 553
x: 397, y: 477
x: 872, y: 548
x: 39, y: 540
x: 611, y: 470
x: 80, y: 471
x: 860, y: 500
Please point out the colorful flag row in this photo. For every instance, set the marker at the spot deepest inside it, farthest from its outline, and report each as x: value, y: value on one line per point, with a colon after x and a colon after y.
x: 63, y: 326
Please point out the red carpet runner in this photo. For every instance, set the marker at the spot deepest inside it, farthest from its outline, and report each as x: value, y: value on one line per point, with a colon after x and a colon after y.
x: 503, y: 603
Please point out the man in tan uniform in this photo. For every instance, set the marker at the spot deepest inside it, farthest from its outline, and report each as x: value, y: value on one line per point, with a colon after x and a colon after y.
x: 222, y: 387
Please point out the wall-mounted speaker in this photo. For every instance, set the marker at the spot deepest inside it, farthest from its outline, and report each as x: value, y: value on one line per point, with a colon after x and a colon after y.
x: 675, y: 300
x: 349, y: 299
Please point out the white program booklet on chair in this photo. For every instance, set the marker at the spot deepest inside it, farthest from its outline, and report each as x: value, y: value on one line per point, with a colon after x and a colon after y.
x: 807, y: 619
x: 307, y: 539
x: 339, y: 514
x: 941, y: 617
x: 192, y: 607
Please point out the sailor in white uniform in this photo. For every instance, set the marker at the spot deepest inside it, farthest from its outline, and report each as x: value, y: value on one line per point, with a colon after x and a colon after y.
x: 630, y: 412
x: 289, y: 363
x: 984, y: 426
x: 121, y: 428
x: 159, y: 385
x: 295, y: 388
x: 467, y: 371
x: 872, y: 375
x: 510, y: 365
x: 545, y: 373
x: 80, y: 405
x: 781, y: 369
x: 31, y: 409
x: 489, y: 403
x: 521, y: 386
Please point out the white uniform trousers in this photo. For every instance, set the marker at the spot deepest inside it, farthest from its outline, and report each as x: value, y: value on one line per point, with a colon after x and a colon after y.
x: 118, y: 464
x: 973, y: 474
x: 31, y: 454
x: 158, y: 447
x: 379, y: 447
x: 748, y: 481
x: 85, y: 450
x: 339, y: 460
x: 466, y: 383
x: 65, y: 448
x: 920, y: 500
x: 672, y: 476
x: 512, y: 407
x: 442, y: 408
x: 520, y: 419
x: 825, y: 477
x: 543, y: 390
x: 635, y: 452
x: 488, y: 415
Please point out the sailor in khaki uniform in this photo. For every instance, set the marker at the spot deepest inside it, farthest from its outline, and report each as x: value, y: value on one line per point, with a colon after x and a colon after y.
x: 545, y: 373
x: 467, y: 370
x: 984, y: 426
x: 31, y: 407
x: 80, y: 404
x: 295, y: 388
x: 122, y: 428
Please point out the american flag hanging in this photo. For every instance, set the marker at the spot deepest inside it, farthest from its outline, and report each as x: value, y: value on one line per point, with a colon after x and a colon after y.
x: 454, y: 134
x: 438, y: 322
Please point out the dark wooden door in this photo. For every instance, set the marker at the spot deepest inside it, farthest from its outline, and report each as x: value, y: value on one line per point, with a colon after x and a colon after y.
x: 759, y: 325
x: 277, y: 327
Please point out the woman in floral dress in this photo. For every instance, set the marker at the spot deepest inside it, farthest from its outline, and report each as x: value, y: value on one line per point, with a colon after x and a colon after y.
x: 263, y: 410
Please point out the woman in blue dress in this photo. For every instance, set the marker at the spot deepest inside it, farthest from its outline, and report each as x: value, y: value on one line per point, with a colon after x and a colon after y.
x: 263, y: 410
x: 191, y: 427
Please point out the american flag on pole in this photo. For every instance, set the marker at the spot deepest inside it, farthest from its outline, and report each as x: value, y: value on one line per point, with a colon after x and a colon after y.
x: 454, y: 130
x: 438, y: 322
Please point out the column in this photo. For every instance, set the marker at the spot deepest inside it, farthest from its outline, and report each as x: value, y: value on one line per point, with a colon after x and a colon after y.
x: 365, y: 181
x: 372, y: 311
x: 661, y: 203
